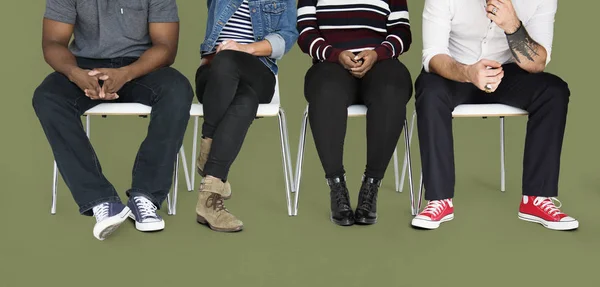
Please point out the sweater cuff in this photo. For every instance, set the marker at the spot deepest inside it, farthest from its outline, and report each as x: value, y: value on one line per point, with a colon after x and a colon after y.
x: 333, y: 55
x: 383, y: 52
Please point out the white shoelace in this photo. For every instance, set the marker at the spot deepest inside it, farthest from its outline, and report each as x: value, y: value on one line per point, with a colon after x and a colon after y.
x: 547, y: 205
x: 101, y: 211
x: 145, y: 206
x: 434, y: 207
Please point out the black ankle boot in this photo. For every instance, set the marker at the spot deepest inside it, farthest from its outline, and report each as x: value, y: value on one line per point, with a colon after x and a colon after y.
x: 366, y: 210
x: 341, y: 211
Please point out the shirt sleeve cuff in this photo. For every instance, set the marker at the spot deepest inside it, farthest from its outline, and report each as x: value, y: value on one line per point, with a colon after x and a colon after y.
x: 383, y: 53
x: 59, y: 18
x: 277, y: 45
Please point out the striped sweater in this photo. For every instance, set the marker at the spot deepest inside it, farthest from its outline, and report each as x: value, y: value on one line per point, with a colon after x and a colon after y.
x: 328, y: 27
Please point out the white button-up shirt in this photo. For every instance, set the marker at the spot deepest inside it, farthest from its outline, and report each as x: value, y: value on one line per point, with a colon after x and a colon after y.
x: 461, y: 29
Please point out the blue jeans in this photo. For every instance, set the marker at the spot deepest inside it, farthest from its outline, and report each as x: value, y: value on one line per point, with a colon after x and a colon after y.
x: 59, y: 104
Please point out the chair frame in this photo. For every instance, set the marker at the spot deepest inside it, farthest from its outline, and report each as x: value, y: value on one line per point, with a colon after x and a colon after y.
x: 283, y: 133
x: 407, y: 157
x: 484, y: 115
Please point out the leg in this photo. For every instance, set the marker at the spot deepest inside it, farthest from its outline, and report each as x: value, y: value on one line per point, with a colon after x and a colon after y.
x: 436, y: 98
x: 237, y: 84
x: 255, y: 84
x: 546, y: 98
x: 329, y: 90
x: 385, y: 90
x: 170, y: 95
x: 59, y: 104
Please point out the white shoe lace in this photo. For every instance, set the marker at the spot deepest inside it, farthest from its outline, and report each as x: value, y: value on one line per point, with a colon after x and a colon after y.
x: 547, y: 205
x: 101, y: 211
x: 145, y: 207
x: 434, y: 207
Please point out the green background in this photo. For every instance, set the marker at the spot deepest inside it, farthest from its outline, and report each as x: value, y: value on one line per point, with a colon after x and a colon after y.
x: 486, y: 245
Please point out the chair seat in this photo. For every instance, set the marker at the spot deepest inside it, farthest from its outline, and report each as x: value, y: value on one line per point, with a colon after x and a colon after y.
x: 264, y: 110
x: 119, y: 109
x: 487, y: 110
x: 357, y: 110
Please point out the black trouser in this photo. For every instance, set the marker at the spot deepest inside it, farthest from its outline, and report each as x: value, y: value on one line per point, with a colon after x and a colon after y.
x: 230, y: 88
x: 544, y: 96
x: 330, y: 89
x: 59, y: 105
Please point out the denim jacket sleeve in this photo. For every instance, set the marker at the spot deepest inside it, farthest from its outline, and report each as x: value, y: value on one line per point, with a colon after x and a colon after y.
x: 284, y: 37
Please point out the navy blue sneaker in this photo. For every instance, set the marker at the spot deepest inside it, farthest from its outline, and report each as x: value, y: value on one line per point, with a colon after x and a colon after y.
x: 108, y: 218
x: 143, y: 211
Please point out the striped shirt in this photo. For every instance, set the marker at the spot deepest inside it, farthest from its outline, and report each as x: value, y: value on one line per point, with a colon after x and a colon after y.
x: 329, y: 27
x: 238, y: 28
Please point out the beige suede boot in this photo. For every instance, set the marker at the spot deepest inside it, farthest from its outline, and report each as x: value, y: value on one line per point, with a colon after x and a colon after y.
x: 205, y: 144
x: 210, y: 209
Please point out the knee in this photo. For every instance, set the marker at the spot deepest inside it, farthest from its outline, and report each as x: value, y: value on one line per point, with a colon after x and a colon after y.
x: 224, y: 63
x: 556, y: 87
x: 176, y: 87
x: 431, y: 92
x: 43, y: 100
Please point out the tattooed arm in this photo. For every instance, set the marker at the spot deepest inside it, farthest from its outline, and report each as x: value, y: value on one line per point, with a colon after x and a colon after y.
x: 528, y: 54
x: 530, y: 42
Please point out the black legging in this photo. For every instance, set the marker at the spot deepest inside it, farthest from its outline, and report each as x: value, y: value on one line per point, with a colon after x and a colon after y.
x: 230, y: 87
x: 330, y: 89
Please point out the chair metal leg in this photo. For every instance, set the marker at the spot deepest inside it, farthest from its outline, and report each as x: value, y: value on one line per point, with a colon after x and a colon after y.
x: 409, y: 160
x: 502, y: 158
x: 300, y: 159
x: 54, y: 189
x: 194, y: 154
x: 87, y: 125
x: 285, y: 159
x: 396, y: 173
x: 186, y: 173
x: 169, y: 204
x: 173, y: 204
x: 410, y: 137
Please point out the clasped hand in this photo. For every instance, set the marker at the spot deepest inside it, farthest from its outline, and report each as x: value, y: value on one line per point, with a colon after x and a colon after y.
x: 360, y: 64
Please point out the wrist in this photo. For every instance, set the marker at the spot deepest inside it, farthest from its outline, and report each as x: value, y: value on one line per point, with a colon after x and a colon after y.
x: 128, y: 72
x: 250, y: 49
x: 465, y: 69
x: 71, y: 71
x: 514, y: 28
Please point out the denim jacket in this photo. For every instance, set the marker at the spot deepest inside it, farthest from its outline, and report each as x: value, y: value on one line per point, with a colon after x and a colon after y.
x: 272, y: 20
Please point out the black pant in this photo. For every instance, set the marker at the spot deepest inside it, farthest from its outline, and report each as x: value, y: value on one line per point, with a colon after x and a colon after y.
x: 544, y: 96
x: 330, y: 89
x: 59, y: 105
x: 230, y: 88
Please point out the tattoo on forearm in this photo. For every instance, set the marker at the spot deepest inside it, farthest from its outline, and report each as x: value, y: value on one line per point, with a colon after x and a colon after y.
x: 521, y: 43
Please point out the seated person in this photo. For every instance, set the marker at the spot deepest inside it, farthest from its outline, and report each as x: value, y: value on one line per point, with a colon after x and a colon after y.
x: 121, y: 53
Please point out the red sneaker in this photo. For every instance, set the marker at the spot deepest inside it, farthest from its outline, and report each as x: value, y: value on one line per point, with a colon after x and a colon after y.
x: 542, y: 210
x: 436, y: 212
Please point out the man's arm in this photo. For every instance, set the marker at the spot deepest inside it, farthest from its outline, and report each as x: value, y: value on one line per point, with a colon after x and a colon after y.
x: 530, y: 43
x: 55, y: 42
x: 437, y: 19
x: 165, y: 39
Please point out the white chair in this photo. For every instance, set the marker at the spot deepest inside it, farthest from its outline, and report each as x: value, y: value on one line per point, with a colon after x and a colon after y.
x: 272, y: 109
x: 123, y: 109
x: 354, y: 111
x: 478, y: 111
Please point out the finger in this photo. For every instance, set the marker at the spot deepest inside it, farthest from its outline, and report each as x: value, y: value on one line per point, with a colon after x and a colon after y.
x: 360, y: 55
x: 490, y: 63
x: 492, y: 72
x: 104, y: 77
x: 94, y: 73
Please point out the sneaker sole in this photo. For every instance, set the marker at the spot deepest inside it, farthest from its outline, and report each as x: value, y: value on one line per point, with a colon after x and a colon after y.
x: 201, y: 173
x: 149, y: 226
x: 205, y: 222
x: 563, y: 225
x: 105, y: 228
x: 429, y: 224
